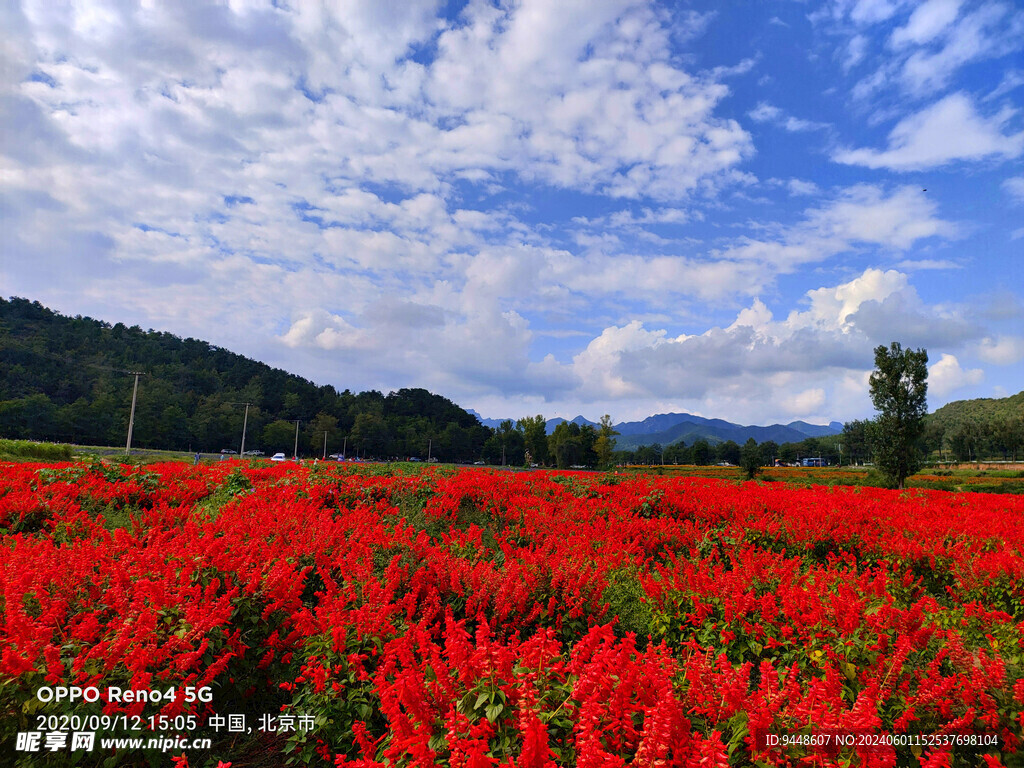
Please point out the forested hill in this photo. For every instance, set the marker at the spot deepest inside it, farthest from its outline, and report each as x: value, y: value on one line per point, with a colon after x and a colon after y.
x: 981, y: 409
x: 984, y: 427
x: 66, y: 379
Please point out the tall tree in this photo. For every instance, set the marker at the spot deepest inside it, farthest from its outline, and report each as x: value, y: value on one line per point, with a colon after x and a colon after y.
x: 535, y: 437
x: 701, y: 453
x: 899, y: 389
x: 855, y: 440
x: 728, y: 451
x: 605, y: 443
x: 751, y: 458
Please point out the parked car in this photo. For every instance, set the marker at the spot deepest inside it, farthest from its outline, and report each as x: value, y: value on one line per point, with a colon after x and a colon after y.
x: 278, y: 457
x: 228, y: 451
x: 478, y: 463
x: 337, y: 456
x: 254, y: 453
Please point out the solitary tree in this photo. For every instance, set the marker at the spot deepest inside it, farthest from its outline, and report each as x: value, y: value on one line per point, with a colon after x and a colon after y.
x: 605, y: 443
x: 899, y: 389
x: 751, y: 458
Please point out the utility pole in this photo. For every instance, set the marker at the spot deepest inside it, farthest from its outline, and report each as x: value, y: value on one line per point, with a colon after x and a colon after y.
x: 344, y: 448
x: 325, y: 444
x: 430, y: 444
x: 131, y: 417
x: 295, y: 453
x: 245, y: 423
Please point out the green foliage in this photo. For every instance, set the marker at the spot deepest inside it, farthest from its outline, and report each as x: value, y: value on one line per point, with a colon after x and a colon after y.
x: 605, y: 443
x: 627, y: 600
x: 535, y: 438
x: 899, y: 390
x: 506, y: 447
x: 855, y: 442
x: 63, y: 381
x: 751, y: 459
x: 14, y: 450
x: 974, y: 430
x: 701, y: 453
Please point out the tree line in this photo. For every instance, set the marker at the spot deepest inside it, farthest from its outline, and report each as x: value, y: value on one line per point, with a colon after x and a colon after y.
x: 68, y: 380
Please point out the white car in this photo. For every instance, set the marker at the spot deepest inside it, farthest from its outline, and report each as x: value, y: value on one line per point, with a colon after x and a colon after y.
x: 278, y: 457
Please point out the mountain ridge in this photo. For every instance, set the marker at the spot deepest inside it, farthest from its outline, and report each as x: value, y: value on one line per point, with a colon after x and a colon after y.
x: 668, y: 428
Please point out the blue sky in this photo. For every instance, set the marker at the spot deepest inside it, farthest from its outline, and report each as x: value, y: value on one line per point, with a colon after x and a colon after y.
x: 534, y: 207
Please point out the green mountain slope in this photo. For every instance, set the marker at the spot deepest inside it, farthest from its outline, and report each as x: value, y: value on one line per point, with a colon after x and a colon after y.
x: 968, y: 430
x: 981, y: 409
x: 65, y: 379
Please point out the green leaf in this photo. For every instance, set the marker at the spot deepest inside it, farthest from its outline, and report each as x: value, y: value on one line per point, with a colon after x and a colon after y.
x: 493, y: 711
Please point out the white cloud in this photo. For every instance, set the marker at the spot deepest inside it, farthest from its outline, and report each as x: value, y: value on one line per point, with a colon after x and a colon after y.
x: 804, y: 403
x: 802, y: 187
x: 1004, y: 350
x: 768, y: 113
x: 803, y: 365
x: 1014, y: 187
x: 928, y: 20
x: 599, y: 365
x: 1012, y: 80
x: 873, y: 11
x: 864, y: 213
x: 832, y: 307
x: 764, y: 112
x: 993, y: 30
x: 924, y: 140
x: 927, y: 44
x: 916, y: 265
x: 856, y: 49
x: 947, y: 376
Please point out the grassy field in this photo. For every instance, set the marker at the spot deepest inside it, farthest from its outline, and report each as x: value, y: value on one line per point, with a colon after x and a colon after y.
x: 27, y: 450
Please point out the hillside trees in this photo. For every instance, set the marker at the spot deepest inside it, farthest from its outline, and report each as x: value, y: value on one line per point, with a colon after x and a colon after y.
x: 63, y: 379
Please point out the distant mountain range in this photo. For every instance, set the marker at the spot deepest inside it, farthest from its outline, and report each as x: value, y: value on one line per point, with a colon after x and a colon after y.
x: 669, y: 428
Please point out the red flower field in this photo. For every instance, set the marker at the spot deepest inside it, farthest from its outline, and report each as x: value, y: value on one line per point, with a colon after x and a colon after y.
x: 477, y: 618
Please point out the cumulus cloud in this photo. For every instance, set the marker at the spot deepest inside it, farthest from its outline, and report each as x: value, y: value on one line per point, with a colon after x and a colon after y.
x: 829, y: 341
x: 1003, y: 350
x: 923, y: 139
x: 947, y: 376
